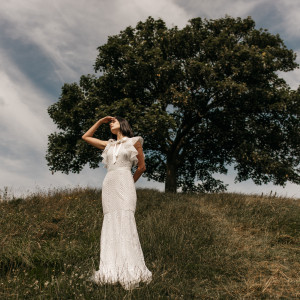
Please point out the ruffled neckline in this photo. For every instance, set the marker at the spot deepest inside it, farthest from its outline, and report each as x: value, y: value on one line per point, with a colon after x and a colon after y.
x: 122, y: 140
x: 128, y: 146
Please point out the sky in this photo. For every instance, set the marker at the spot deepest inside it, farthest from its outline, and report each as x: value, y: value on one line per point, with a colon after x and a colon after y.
x: 44, y: 44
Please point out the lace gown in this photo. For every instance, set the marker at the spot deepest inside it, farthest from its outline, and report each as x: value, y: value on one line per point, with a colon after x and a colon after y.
x: 121, y: 256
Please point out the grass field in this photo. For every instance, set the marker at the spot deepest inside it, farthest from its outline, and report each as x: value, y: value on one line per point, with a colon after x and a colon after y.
x: 210, y: 246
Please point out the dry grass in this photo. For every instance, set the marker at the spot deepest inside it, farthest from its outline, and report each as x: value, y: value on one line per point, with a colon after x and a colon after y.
x: 210, y: 246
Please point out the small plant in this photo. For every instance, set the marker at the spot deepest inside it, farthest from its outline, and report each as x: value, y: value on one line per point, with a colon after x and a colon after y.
x: 4, y: 196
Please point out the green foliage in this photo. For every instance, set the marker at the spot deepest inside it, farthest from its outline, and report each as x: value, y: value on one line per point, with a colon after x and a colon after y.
x: 203, y: 97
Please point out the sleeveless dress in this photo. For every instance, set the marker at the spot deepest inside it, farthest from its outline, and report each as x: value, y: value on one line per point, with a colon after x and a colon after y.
x: 121, y: 255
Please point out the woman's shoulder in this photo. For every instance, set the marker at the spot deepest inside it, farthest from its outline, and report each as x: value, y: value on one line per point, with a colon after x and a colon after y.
x: 134, y: 139
x: 109, y: 143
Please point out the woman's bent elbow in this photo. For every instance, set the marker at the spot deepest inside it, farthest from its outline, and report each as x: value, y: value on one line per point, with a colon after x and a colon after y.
x: 142, y: 169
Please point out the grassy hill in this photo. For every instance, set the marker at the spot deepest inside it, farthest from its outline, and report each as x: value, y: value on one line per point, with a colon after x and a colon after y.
x: 211, y: 246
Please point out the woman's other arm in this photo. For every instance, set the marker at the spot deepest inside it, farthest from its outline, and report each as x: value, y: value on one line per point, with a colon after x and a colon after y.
x: 93, y: 141
x: 141, y: 161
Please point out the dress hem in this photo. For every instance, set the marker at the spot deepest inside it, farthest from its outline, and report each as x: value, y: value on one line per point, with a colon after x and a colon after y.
x: 96, y: 278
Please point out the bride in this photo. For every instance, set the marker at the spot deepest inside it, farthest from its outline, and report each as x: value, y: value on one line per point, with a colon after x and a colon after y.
x: 121, y: 255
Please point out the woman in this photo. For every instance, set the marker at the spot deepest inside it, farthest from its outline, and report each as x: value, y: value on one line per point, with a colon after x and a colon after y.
x: 121, y: 256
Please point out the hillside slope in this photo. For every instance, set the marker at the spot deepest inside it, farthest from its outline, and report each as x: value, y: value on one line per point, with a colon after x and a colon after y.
x: 210, y: 246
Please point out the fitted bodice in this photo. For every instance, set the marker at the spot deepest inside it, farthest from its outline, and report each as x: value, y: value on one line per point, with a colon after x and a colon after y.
x: 121, y: 153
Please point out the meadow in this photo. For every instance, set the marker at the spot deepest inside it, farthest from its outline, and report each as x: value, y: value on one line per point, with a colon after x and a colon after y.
x: 197, y: 246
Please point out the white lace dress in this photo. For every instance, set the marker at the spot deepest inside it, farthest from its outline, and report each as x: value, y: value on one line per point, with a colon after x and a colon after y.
x: 121, y: 255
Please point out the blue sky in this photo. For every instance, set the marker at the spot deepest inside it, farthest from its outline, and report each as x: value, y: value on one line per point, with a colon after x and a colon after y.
x: 44, y: 44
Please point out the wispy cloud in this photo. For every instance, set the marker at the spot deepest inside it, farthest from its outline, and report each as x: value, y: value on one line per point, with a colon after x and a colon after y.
x: 288, y: 20
x: 69, y: 31
x: 22, y: 108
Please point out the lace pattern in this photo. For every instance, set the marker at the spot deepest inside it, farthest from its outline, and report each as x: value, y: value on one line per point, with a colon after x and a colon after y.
x: 121, y: 257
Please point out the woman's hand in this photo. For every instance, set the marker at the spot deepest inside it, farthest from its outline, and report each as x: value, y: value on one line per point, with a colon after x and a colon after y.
x: 106, y: 119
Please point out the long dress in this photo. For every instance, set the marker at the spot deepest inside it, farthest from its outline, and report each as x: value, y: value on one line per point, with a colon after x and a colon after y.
x: 121, y: 255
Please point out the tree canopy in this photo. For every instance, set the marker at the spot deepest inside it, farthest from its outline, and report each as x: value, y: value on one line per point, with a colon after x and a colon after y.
x: 203, y: 97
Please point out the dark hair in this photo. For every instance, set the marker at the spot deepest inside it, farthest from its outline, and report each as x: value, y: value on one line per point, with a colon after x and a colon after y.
x: 125, y: 128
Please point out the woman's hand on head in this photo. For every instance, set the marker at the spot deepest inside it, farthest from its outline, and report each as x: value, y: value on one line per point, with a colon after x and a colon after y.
x: 106, y: 119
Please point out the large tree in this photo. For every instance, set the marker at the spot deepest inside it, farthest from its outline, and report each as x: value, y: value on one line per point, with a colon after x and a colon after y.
x: 203, y: 97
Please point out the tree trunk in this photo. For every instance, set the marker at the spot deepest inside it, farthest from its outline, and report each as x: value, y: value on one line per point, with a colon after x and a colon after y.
x: 170, y: 185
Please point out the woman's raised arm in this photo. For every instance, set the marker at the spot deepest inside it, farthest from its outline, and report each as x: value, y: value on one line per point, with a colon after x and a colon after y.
x: 93, y: 141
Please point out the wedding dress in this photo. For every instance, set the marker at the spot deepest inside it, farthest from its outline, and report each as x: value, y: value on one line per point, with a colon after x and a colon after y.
x: 121, y: 256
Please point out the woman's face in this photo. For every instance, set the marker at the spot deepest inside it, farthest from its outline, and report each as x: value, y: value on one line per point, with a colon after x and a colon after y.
x: 114, y: 126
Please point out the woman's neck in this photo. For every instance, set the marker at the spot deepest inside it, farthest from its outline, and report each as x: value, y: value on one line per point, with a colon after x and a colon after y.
x: 119, y: 136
